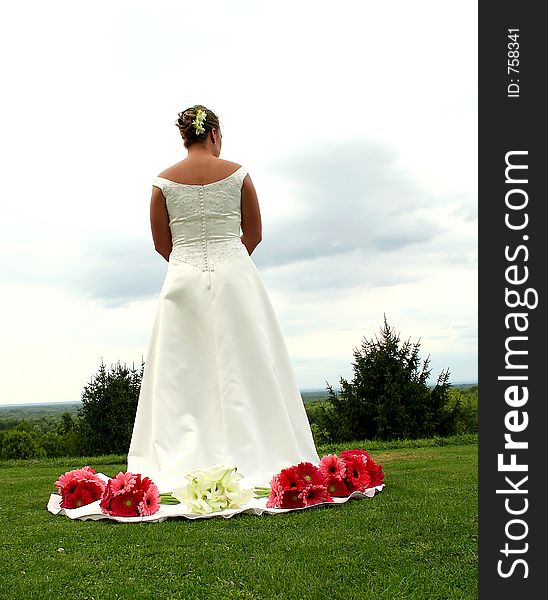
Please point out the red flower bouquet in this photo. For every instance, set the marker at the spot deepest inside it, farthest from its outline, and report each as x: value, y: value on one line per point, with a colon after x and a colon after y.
x: 304, y: 484
x: 298, y: 486
x: 79, y: 487
x: 360, y: 472
x: 375, y: 473
x: 130, y: 495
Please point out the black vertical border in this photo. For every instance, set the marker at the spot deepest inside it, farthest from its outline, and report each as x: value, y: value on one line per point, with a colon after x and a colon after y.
x: 512, y: 124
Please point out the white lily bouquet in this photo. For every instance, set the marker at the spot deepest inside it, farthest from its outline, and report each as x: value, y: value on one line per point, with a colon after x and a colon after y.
x: 210, y: 490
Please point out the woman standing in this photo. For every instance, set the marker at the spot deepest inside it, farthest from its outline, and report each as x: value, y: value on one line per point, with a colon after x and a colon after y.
x: 217, y: 387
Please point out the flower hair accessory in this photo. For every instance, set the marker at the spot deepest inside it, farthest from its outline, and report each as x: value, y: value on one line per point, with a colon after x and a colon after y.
x: 199, y: 120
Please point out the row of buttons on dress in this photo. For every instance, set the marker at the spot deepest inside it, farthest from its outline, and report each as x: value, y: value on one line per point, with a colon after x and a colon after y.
x: 202, y: 212
x: 204, y: 241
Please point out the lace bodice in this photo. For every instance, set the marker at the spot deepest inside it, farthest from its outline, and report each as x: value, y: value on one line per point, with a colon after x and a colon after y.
x: 204, y: 219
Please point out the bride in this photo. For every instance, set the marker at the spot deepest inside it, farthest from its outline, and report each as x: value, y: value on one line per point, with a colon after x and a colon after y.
x: 218, y: 386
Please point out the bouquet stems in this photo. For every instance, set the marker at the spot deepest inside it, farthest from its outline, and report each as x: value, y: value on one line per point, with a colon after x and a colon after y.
x: 167, y: 498
x: 261, y: 492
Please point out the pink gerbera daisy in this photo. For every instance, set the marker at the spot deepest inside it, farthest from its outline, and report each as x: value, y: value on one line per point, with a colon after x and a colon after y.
x: 150, y: 503
x: 332, y: 467
x: 315, y: 494
x: 123, y: 482
x: 106, y: 499
x: 273, y: 500
x: 276, y: 491
x: 349, y: 453
x: 310, y: 474
x: 76, y: 475
x: 357, y: 476
x: 79, y: 487
x: 86, y: 474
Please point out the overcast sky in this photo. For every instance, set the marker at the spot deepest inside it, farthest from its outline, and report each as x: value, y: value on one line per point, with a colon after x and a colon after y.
x: 356, y: 120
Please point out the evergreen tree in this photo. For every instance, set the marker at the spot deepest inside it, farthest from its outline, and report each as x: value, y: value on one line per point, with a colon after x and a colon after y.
x: 109, y: 404
x: 388, y: 397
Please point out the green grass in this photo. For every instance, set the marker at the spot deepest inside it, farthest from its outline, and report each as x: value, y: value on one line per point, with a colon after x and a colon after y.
x: 415, y: 540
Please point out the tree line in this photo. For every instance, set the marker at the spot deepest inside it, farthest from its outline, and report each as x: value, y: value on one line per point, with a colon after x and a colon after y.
x: 387, y: 398
x: 102, y: 425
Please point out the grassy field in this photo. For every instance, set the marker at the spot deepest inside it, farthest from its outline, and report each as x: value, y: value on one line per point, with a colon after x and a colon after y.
x: 415, y: 540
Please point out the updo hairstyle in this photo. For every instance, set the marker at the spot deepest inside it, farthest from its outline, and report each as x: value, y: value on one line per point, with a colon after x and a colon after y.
x: 188, y: 130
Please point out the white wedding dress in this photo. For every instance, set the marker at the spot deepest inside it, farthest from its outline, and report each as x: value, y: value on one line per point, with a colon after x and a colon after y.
x: 218, y: 386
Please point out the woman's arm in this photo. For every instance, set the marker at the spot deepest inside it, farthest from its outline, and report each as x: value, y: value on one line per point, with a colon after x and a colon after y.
x: 159, y: 223
x: 251, y: 216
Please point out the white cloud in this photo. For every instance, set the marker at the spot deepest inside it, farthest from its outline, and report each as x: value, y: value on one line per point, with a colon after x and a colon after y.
x: 358, y: 126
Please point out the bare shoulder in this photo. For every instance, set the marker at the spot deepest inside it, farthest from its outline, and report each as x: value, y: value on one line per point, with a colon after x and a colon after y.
x: 224, y: 168
x: 199, y: 171
x: 229, y: 164
x: 172, y: 168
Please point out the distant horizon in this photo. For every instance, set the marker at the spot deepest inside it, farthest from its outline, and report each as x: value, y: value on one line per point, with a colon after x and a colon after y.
x: 364, y: 220
x: 50, y: 402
